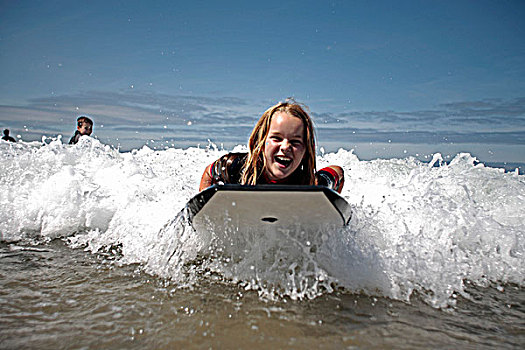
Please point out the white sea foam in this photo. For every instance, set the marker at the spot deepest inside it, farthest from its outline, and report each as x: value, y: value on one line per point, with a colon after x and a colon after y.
x: 416, y: 226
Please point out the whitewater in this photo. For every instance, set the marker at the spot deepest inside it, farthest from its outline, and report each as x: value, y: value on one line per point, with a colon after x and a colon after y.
x: 434, y: 232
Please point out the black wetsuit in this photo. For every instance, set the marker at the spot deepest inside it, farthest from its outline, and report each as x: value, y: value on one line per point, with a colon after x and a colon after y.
x: 228, y: 169
x: 8, y: 138
x: 74, y: 139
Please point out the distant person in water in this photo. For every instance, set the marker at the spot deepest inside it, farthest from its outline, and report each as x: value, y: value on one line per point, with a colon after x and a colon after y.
x: 281, y: 151
x: 84, y: 127
x: 6, y: 136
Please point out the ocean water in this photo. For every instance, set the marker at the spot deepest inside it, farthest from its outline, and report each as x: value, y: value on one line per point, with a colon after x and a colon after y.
x: 95, y: 252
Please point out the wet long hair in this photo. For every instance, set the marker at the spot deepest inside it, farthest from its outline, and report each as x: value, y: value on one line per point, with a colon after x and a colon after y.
x: 256, y: 163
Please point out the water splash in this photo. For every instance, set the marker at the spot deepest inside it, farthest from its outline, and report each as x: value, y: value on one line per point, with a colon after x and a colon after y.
x: 425, y: 227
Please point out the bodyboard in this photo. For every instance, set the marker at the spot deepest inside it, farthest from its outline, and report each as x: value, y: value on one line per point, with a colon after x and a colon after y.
x: 285, y: 207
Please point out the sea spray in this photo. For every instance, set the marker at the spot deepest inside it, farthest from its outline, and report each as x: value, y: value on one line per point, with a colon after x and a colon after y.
x: 435, y: 227
x: 416, y: 227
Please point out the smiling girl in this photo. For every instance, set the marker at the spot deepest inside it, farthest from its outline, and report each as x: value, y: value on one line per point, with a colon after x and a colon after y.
x: 282, y: 151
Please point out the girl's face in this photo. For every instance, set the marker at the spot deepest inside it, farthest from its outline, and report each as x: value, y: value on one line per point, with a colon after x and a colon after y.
x: 284, y: 146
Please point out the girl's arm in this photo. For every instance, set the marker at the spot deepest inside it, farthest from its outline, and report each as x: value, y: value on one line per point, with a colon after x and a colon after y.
x: 331, y: 176
x: 207, y: 178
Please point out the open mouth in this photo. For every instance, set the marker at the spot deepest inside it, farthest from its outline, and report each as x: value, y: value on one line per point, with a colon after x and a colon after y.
x: 284, y: 161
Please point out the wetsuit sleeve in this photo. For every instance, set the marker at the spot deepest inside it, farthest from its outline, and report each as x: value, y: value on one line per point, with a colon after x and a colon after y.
x: 213, y: 174
x: 331, y: 177
x: 206, y: 179
x: 228, y: 168
x: 225, y: 170
x: 74, y: 138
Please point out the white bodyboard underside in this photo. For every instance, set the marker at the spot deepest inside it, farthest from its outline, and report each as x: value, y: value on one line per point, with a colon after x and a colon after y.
x: 232, y: 210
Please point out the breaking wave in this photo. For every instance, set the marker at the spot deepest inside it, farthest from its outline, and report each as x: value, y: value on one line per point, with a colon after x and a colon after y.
x: 418, y: 227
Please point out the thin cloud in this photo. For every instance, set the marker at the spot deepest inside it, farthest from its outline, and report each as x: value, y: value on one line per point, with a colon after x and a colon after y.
x: 350, y: 136
x: 144, y: 116
x: 113, y: 110
x: 485, y: 115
